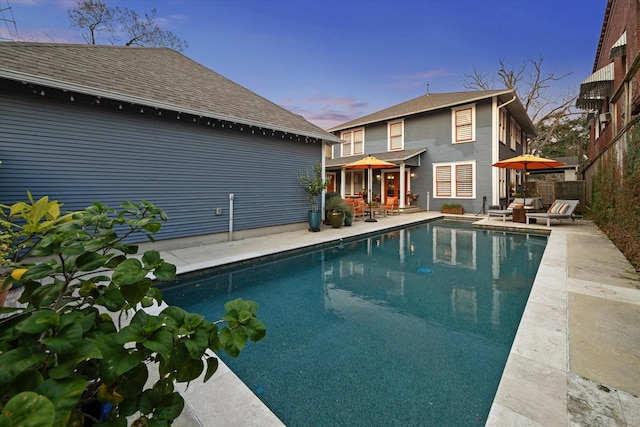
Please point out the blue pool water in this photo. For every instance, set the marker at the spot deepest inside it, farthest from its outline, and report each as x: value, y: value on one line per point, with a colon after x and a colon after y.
x: 407, y: 328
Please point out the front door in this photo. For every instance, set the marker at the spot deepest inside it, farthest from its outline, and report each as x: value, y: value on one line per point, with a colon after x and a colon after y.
x: 331, y: 177
x: 392, y: 187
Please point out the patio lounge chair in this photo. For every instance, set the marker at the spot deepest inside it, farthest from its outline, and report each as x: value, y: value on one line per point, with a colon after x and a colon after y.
x: 560, y: 209
x: 504, y: 213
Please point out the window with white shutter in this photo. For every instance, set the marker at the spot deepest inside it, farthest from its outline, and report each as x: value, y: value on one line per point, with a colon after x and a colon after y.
x: 464, y: 180
x: 443, y: 181
x: 396, y: 138
x: 464, y: 126
x: 353, y: 142
x: 455, y: 180
x: 358, y: 141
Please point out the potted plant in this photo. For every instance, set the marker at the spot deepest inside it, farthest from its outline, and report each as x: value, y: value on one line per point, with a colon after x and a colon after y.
x: 348, y: 216
x: 336, y: 210
x: 452, y: 208
x: 313, y: 185
x: 82, y: 338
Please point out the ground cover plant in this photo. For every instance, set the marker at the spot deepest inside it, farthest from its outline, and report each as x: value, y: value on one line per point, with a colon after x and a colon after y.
x: 80, y: 350
x: 616, y: 198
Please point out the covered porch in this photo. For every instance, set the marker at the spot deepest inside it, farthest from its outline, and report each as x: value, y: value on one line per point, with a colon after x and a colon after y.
x: 388, y: 182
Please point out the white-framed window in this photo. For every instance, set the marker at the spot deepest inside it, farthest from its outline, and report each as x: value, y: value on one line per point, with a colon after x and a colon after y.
x: 504, y: 120
x: 516, y: 135
x: 353, y: 142
x: 395, y: 131
x: 464, y: 124
x: 454, y: 180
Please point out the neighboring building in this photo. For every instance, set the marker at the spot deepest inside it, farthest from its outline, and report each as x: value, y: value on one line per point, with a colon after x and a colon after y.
x: 611, y: 95
x: 81, y: 123
x: 444, y: 145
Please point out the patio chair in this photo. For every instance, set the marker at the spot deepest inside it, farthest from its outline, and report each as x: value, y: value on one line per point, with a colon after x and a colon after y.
x: 357, y: 207
x: 392, y: 206
x: 504, y: 213
x: 560, y: 209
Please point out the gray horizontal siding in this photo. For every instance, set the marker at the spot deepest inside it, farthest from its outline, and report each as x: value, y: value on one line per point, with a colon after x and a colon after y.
x: 77, y: 155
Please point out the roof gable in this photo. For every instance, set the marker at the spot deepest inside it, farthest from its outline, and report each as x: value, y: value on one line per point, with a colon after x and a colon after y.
x: 154, y: 77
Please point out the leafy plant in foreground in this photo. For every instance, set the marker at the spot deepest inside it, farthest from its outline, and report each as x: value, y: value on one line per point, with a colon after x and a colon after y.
x: 69, y: 349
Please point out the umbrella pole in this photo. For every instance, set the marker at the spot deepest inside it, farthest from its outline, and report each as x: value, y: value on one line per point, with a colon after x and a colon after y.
x: 371, y: 218
x: 524, y: 186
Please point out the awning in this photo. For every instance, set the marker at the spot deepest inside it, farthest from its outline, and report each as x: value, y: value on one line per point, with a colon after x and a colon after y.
x: 619, y: 48
x: 595, y: 88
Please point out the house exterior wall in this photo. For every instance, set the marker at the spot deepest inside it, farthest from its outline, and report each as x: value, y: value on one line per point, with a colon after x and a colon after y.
x: 80, y: 154
x: 608, y: 138
x: 433, y: 130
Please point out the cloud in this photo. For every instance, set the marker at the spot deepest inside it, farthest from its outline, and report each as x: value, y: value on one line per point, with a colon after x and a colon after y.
x: 326, y: 112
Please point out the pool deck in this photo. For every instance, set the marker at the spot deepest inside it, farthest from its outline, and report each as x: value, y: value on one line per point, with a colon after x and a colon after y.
x: 575, y: 359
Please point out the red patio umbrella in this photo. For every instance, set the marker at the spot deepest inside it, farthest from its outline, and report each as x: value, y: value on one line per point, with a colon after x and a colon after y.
x: 527, y: 162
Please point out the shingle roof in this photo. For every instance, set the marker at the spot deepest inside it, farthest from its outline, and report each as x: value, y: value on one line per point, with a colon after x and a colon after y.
x: 436, y: 101
x: 154, y: 77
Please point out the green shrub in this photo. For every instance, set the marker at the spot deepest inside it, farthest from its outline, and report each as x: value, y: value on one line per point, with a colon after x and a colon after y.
x: 68, y: 346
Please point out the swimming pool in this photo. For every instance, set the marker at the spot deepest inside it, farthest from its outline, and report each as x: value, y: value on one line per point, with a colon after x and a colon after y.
x: 409, y: 327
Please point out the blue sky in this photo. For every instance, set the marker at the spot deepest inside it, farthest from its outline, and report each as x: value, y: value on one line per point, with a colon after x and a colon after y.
x: 335, y: 60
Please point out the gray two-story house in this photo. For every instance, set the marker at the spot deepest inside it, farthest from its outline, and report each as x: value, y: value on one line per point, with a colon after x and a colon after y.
x: 84, y: 123
x: 443, y: 146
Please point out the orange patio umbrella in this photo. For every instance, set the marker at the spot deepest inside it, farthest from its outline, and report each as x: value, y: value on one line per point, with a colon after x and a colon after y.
x: 370, y: 162
x: 527, y: 162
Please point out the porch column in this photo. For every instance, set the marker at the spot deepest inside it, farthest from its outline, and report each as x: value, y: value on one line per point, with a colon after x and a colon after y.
x: 403, y: 187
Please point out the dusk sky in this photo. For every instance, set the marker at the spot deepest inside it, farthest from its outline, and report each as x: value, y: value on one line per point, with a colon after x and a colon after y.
x: 335, y: 60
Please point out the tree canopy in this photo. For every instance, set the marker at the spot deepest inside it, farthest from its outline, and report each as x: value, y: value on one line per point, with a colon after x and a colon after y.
x: 121, y: 26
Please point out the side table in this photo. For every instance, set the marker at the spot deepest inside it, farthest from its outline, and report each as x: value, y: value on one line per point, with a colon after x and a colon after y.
x: 519, y: 215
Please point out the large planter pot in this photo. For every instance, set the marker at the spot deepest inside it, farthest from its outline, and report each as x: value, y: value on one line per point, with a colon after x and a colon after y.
x: 315, y: 218
x: 336, y: 218
x: 458, y: 211
x: 348, y: 221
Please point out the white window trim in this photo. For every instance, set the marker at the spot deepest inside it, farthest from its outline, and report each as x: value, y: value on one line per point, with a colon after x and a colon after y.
x: 452, y: 165
x: 352, y: 142
x: 473, y: 123
x: 393, y: 122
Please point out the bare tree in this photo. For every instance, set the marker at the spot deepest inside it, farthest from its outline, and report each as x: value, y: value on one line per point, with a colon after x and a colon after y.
x: 531, y: 84
x: 91, y: 17
x: 146, y: 32
x: 94, y: 17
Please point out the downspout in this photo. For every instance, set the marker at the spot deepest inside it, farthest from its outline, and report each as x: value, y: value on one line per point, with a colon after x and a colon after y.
x: 231, y: 197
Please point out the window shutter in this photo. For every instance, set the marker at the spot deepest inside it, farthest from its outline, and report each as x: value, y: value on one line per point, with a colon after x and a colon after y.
x: 346, y: 146
x: 443, y: 180
x: 464, y: 181
x: 464, y: 125
x: 395, y: 136
x: 357, y: 142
